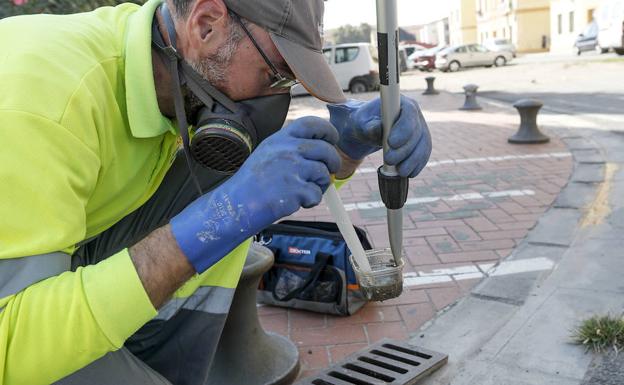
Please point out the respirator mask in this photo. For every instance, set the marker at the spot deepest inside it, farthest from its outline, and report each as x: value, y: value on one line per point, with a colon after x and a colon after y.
x: 223, y: 132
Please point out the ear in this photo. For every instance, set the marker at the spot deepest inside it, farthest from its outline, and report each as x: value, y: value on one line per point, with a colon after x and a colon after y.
x: 206, y: 26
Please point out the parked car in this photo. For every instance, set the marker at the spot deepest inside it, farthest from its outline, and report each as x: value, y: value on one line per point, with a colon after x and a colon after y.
x: 471, y: 55
x: 588, y: 40
x: 409, y: 50
x: 425, y: 60
x: 610, y: 19
x: 499, y: 45
x: 403, y: 60
x: 355, y: 66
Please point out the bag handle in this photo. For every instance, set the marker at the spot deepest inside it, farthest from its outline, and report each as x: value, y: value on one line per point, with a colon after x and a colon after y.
x: 320, y: 263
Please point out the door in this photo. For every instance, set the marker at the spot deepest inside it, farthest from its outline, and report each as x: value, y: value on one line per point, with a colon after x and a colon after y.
x: 481, y: 56
x: 461, y: 55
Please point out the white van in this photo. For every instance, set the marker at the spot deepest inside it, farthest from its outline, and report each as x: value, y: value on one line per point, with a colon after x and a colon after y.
x: 355, y: 66
x: 610, y: 18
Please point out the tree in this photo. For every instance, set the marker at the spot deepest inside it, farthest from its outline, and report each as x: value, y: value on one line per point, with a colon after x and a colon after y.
x: 352, y: 34
x: 26, y: 7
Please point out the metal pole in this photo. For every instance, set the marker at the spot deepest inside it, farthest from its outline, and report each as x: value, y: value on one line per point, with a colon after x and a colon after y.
x: 395, y: 187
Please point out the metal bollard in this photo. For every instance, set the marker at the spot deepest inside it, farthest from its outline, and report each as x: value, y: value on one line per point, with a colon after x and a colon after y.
x: 471, y: 98
x: 247, y: 355
x: 528, y: 132
x: 430, y: 88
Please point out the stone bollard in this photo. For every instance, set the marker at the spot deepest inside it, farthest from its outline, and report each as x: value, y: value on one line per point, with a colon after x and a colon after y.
x: 471, y: 98
x: 528, y: 133
x: 430, y: 88
x: 246, y: 354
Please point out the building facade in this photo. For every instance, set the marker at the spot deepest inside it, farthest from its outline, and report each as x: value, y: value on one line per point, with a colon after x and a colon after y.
x: 568, y: 19
x: 463, y: 22
x: 525, y: 22
x: 435, y: 32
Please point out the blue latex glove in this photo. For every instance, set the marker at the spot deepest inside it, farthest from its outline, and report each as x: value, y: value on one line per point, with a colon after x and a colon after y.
x: 288, y: 170
x: 359, y: 125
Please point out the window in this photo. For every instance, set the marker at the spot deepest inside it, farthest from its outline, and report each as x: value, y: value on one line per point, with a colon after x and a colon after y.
x: 346, y: 54
x: 461, y: 49
x: 409, y: 50
x: 559, y: 22
x: 571, y: 16
x: 477, y: 48
x: 591, y: 30
x: 328, y: 54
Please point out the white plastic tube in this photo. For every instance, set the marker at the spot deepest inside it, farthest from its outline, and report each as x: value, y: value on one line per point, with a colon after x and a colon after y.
x: 336, y: 208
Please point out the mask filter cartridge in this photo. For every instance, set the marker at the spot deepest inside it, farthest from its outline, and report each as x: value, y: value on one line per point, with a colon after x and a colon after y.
x: 220, y: 144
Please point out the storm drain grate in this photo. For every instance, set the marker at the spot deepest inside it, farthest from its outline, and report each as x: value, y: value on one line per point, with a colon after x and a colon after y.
x: 387, y: 362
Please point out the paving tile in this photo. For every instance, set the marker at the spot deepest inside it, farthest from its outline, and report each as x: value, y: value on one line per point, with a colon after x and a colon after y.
x: 307, y: 373
x: 457, y: 214
x: 379, y: 331
x: 408, y: 296
x: 512, y: 207
x: 301, y: 319
x: 450, y: 222
x: 481, y: 224
x: 466, y: 285
x: 371, y: 312
x: 313, y: 357
x: 339, y: 352
x: 498, y: 216
x: 416, y: 315
x: 487, y: 245
x: 277, y: 323
x: 527, y: 201
x: 503, y: 234
x: 328, y: 336
x: 439, y: 268
x: 429, y: 231
x: 463, y: 233
x: 414, y: 242
x: 442, y: 297
x: 443, y: 244
x: 421, y: 255
x: 556, y: 227
x: 588, y: 173
x: 268, y: 309
x: 504, y: 253
x: 576, y: 196
x: 527, y: 225
x: 468, y: 256
x: 588, y: 156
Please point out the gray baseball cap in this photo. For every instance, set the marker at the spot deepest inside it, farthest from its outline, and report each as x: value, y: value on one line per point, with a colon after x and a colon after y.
x: 296, y: 28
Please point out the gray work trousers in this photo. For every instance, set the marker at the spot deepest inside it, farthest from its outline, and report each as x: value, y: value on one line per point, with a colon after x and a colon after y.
x: 177, y: 347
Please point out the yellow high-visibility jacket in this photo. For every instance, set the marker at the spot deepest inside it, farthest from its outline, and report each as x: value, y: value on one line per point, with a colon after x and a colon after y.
x: 82, y: 144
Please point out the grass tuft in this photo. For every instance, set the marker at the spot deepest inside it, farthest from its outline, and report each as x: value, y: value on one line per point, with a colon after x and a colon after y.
x: 601, y: 333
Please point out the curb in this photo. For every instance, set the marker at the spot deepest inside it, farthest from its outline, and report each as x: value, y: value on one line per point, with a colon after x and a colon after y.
x: 462, y: 328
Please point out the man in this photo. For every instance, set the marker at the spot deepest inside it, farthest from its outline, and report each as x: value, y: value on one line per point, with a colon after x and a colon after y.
x: 114, y: 268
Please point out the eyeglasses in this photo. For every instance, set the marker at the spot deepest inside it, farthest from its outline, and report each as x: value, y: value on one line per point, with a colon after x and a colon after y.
x: 277, y: 79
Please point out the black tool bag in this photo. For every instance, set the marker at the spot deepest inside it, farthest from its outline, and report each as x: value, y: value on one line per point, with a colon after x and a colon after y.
x: 312, y: 269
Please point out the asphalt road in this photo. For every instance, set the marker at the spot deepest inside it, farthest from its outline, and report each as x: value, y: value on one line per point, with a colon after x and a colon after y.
x: 589, y: 88
x: 606, y: 369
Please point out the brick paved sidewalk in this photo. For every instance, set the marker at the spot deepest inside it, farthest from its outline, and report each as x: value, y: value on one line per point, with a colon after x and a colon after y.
x: 475, y: 201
